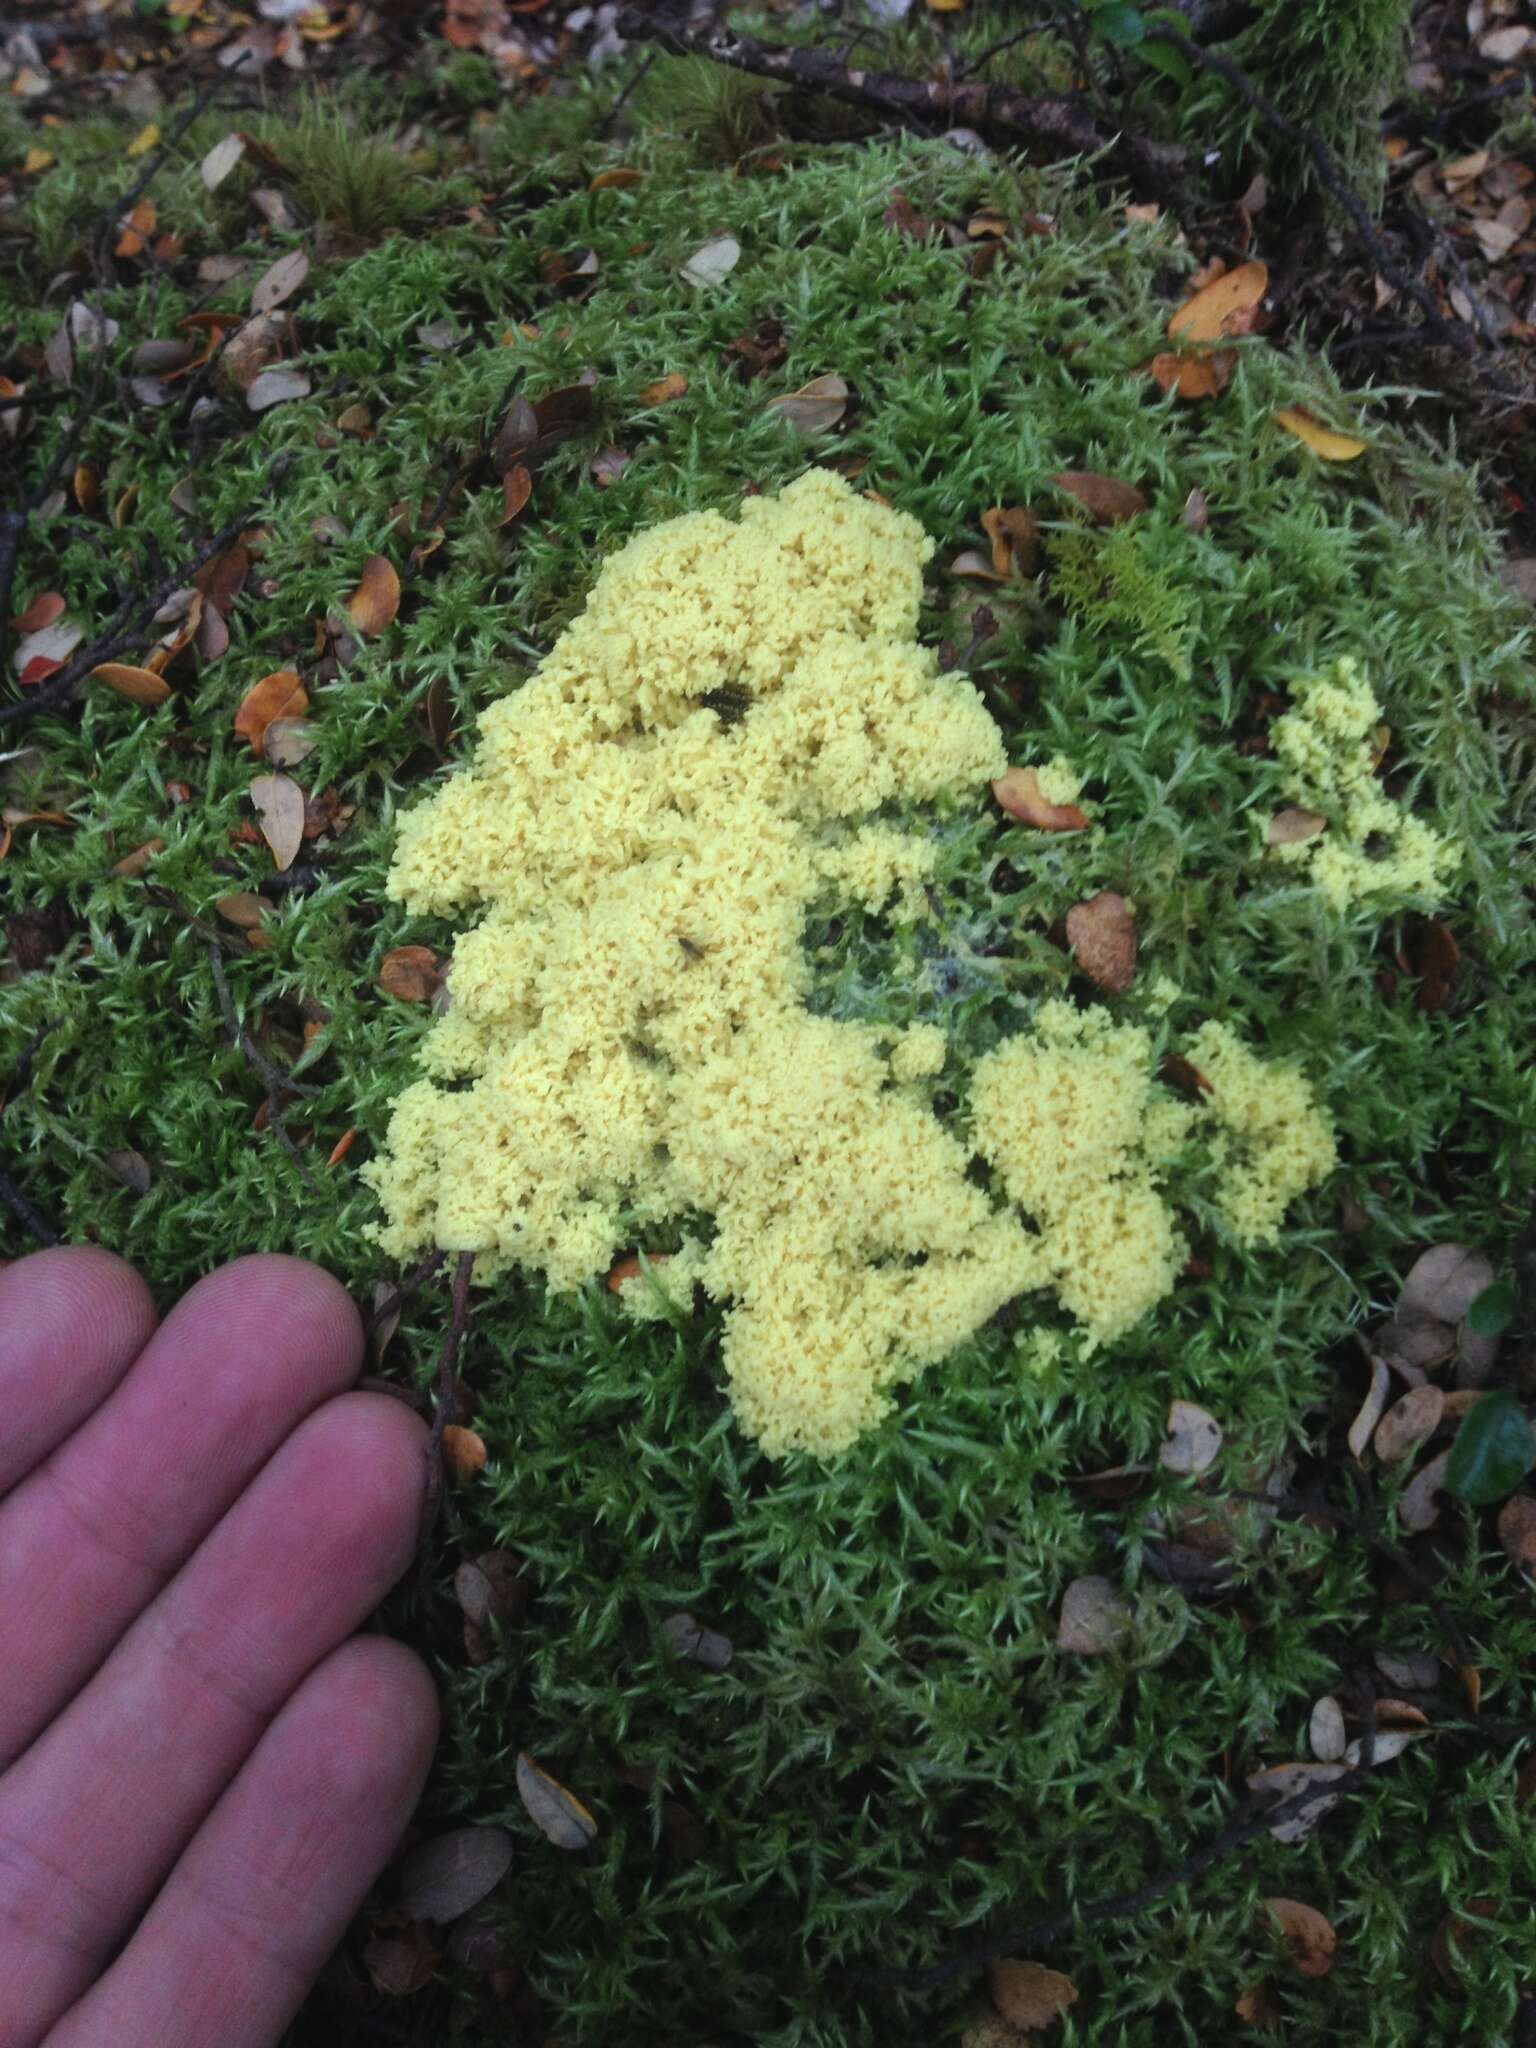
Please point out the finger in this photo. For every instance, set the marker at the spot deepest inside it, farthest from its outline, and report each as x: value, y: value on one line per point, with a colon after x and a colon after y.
x: 91, y: 1536
x: 96, y: 1812
x: 270, y: 1880
x: 71, y: 1324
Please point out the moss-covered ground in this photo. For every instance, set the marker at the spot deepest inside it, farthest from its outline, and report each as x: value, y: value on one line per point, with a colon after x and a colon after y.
x: 898, y: 1757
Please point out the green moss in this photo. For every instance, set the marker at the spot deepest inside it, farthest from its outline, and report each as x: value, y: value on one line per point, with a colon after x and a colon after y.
x: 897, y: 1754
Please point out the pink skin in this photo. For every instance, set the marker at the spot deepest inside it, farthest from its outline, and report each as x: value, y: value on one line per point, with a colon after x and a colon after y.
x: 193, y: 1521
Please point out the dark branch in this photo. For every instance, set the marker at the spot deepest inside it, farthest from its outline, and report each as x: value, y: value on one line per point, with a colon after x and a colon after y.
x: 446, y: 1405
x: 23, y: 1211
x: 278, y: 1084
x: 1057, y: 127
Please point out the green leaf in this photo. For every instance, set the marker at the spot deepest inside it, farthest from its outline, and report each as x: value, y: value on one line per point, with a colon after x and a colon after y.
x: 1167, y: 58
x: 1494, y: 1449
x: 1117, y: 21
x: 1490, y: 1313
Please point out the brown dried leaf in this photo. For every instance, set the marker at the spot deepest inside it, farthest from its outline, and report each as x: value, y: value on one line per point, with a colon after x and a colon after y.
x: 46, y: 609
x: 559, y: 1816
x: 244, y: 909
x: 400, y: 1963
x: 139, y: 685
x: 1256, y: 2007
x: 1409, y: 1423
x: 1294, y: 827
x: 409, y: 974
x: 276, y: 387
x: 814, y: 407
x: 279, y: 284
x: 615, y: 179
x: 1015, y: 536
x: 279, y: 805
x: 288, y: 741
x: 1193, y: 1440
x: 374, y: 603
x: 1517, y: 1530
x: 1094, y: 1618
x: 1416, y: 1507
x: 1193, y: 376
x: 1308, y: 1935
x: 673, y: 385
x: 1105, y: 498
x: 1018, y: 791
x: 1197, y: 515
x: 969, y: 563
x: 130, y: 1167
x: 134, y: 864
x: 1444, y: 1282
x: 464, y: 1453
x: 1028, y: 1995
x: 1323, y: 441
x: 1102, y: 936
x: 279, y: 695
x: 1223, y: 306
x: 1289, y: 1781
x: 450, y: 1874
x: 516, y: 489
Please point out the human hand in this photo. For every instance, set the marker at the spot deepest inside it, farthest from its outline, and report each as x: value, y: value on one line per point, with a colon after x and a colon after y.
x: 193, y: 1757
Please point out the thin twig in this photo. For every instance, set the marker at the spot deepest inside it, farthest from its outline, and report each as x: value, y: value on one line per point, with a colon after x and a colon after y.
x: 24, y: 1212
x: 407, y: 1291
x: 445, y: 1407
x: 278, y: 1084
x: 10, y: 1194
x: 125, y: 203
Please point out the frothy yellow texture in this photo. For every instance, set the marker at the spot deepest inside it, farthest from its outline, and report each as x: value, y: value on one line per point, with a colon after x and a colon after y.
x: 630, y: 1012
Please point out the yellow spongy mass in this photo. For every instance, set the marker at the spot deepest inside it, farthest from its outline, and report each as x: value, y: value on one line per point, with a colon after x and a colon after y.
x: 1326, y: 745
x: 644, y: 826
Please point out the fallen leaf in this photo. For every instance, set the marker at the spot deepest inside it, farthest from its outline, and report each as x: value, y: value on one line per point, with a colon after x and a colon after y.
x: 341, y: 1148
x: 276, y: 387
x: 140, y: 685
x: 1256, y: 2007
x: 279, y: 805
x: 558, y: 1815
x: 245, y: 910
x: 617, y: 178
x: 1325, y: 1730
x: 1308, y: 1935
x: 1106, y: 498
x: 713, y: 261
x: 1413, y: 1670
x: 1193, y: 376
x: 221, y: 160
x: 1504, y: 45
x: 135, y: 230
x: 1193, y: 1440
x: 55, y: 643
x: 36, y: 160
x: 399, y: 1964
x: 969, y: 563
x: 464, y: 1453
x: 253, y: 346
x: 46, y: 609
x: 1437, y: 957
x: 130, y: 1167
x: 1018, y: 791
x: 493, y: 1587
x: 1102, y: 936
x: 1517, y: 1530
x: 700, y: 1645
x: 288, y: 741
x: 1197, y: 515
x: 1363, y: 1427
x: 608, y: 465
x: 815, y: 407
x: 450, y: 1874
x: 144, y: 141
x: 355, y: 419
x: 1290, y: 1781
x: 1220, y: 307
x: 1408, y: 1423
x: 1094, y: 1618
x: 1294, y: 827
x: 1493, y: 1450
x: 279, y: 283
x: 1028, y: 1995
x: 279, y: 695
x: 1014, y: 533
x: 1416, y: 1507
x: 673, y: 385
x: 374, y: 603
x: 1321, y: 440
x: 134, y: 864
x: 409, y: 973
x: 1385, y: 1748
x: 516, y: 489
x: 1399, y: 1714
x: 1444, y: 1282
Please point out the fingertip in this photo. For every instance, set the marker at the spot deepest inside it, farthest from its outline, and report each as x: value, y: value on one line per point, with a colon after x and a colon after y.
x: 268, y: 1291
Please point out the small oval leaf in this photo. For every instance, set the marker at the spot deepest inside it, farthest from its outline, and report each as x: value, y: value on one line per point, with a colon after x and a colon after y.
x: 559, y: 1816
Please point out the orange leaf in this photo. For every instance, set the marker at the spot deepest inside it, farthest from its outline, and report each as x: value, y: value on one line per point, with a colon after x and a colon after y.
x: 38, y: 670
x: 1193, y: 376
x: 44, y: 610
x: 673, y: 385
x: 516, y: 488
x: 1028, y: 1995
x: 372, y: 606
x: 1321, y: 440
x: 342, y: 1147
x: 615, y: 179
x: 140, y: 685
x: 1219, y: 308
x: 1102, y: 935
x: 1019, y: 794
x: 1308, y: 1935
x: 279, y: 804
x: 463, y: 1452
x: 1013, y: 532
x: 409, y: 974
x: 280, y: 695
x: 1105, y: 497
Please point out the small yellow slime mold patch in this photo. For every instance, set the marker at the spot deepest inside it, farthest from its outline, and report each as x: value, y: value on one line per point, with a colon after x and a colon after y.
x: 1325, y: 743
x: 646, y: 823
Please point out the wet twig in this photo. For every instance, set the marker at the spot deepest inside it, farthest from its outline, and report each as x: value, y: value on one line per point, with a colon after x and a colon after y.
x: 278, y: 1084
x: 11, y: 1196
x: 408, y: 1289
x: 445, y: 1406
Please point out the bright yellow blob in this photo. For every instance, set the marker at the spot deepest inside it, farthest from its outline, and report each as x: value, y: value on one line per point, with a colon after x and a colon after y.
x: 645, y: 825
